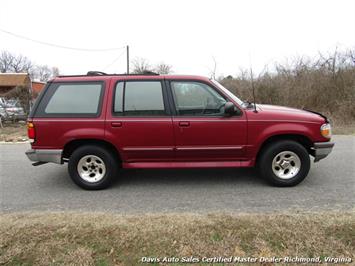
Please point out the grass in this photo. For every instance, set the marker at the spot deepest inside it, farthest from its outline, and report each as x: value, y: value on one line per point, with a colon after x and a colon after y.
x: 12, y: 132
x: 107, y: 239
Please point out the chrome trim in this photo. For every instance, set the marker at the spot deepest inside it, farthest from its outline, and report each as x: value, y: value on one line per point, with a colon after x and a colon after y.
x: 45, y: 155
x: 209, y: 148
x: 321, y: 150
x: 148, y: 149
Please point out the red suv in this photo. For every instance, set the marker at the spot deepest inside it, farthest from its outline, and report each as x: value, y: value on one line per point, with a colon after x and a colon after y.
x: 98, y: 123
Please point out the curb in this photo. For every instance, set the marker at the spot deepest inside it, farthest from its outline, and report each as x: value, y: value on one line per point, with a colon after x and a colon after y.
x: 14, y: 142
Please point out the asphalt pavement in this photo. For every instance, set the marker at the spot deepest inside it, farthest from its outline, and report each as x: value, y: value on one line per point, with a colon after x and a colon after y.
x: 330, y: 185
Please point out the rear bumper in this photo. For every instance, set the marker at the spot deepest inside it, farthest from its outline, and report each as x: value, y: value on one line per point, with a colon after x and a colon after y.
x: 322, y: 150
x: 49, y: 156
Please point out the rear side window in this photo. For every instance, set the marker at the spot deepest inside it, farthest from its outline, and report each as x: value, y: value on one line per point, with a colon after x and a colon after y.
x: 139, y: 98
x: 72, y: 99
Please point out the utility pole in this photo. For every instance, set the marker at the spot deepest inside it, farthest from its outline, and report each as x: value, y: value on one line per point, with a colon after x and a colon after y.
x: 127, y: 59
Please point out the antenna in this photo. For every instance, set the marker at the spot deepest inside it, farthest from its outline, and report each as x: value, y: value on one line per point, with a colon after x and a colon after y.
x: 253, y: 88
x: 127, y: 54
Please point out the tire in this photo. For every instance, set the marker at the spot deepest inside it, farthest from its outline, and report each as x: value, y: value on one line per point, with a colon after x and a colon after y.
x: 92, y: 167
x: 284, y: 163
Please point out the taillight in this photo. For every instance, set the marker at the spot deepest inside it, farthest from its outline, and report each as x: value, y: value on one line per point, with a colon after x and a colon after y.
x: 31, y: 133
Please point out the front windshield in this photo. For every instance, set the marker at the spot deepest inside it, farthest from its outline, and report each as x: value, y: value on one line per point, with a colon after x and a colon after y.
x: 230, y: 94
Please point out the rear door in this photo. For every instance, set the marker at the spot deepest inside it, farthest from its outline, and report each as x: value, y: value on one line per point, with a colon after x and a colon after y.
x: 202, y: 131
x: 139, y: 120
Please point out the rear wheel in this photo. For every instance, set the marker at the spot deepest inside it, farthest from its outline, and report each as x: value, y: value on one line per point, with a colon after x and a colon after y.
x: 92, y: 167
x: 284, y: 163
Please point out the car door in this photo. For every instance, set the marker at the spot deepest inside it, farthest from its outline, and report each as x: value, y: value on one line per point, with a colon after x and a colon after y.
x: 202, y: 131
x: 139, y: 122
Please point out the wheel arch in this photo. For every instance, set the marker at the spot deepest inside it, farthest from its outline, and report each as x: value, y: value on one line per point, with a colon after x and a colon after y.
x: 299, y: 138
x: 74, y: 144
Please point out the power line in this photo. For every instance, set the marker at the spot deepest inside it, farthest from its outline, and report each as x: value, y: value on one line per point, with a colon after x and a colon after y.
x: 60, y: 46
x: 114, y: 61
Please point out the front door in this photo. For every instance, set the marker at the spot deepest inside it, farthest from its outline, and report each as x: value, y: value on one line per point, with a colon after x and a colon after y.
x: 138, y: 121
x: 202, y: 131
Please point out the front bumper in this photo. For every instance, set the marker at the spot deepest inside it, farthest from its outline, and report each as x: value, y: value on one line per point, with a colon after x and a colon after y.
x: 47, y: 156
x: 321, y: 150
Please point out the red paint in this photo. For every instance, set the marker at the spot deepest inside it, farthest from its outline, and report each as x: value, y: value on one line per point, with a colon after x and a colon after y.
x: 178, y: 142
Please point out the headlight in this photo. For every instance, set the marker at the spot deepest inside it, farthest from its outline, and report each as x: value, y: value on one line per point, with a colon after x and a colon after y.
x: 326, y: 131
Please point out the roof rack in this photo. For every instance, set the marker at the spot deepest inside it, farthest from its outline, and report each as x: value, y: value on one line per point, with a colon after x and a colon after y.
x: 96, y: 73
x: 99, y: 73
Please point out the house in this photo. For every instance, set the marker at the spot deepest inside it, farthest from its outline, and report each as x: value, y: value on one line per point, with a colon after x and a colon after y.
x: 37, y: 87
x: 9, y: 81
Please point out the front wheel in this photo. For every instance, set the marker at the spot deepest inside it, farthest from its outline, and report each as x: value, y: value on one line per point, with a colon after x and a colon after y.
x: 92, y: 167
x: 284, y: 163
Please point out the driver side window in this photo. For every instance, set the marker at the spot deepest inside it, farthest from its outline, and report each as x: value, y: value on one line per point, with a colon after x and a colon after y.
x: 196, y: 99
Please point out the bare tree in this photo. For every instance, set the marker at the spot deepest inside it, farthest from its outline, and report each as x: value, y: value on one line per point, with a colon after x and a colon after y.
x: 10, y: 62
x: 55, y: 72
x: 140, y: 66
x: 14, y: 63
x: 22, y: 64
x: 6, y: 60
x: 163, y: 68
x: 214, y: 69
x: 44, y: 73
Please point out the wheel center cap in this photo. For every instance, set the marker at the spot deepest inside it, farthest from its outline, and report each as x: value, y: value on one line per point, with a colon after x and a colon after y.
x: 284, y: 164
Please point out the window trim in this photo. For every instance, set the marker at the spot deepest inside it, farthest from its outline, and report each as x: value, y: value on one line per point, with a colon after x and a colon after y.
x: 173, y: 106
x: 166, y: 104
x: 52, y: 88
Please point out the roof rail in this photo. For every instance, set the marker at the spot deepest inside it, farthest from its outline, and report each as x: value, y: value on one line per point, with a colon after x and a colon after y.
x: 99, y: 73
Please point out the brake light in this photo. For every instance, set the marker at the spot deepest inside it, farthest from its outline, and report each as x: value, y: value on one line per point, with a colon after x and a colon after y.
x: 31, y: 133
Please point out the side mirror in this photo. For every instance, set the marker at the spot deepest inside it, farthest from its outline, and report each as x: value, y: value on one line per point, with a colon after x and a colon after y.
x: 229, y: 109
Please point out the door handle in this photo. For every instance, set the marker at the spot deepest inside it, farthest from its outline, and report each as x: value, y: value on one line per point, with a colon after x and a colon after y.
x: 116, y: 124
x: 184, y: 124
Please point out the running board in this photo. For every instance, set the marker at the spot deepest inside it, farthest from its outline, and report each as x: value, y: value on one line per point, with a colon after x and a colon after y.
x: 223, y: 164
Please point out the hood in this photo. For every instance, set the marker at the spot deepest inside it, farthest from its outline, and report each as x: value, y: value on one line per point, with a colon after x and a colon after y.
x: 289, y: 113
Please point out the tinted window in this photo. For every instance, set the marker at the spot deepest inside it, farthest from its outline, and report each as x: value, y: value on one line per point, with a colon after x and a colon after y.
x: 75, y: 99
x: 119, y: 98
x: 195, y: 98
x: 140, y: 98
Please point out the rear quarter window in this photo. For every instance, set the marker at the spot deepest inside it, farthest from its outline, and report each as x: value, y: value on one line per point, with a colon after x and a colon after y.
x: 77, y: 99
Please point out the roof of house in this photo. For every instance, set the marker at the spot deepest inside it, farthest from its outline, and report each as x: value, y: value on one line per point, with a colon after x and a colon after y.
x: 14, y: 79
x: 37, y: 86
x: 38, y: 82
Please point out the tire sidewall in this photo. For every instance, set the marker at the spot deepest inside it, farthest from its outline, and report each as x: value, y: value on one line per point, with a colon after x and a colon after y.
x: 106, y: 157
x: 275, y: 148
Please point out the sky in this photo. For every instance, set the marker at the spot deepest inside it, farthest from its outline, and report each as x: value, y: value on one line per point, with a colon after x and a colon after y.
x: 188, y: 35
